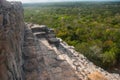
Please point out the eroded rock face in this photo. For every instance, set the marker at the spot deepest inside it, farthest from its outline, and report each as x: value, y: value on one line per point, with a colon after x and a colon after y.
x: 30, y: 52
x: 11, y: 40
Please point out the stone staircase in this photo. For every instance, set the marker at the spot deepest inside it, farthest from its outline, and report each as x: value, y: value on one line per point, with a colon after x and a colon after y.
x: 50, y: 58
x: 41, y: 63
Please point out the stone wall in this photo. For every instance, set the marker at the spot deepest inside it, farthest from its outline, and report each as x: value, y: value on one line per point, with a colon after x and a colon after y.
x: 11, y: 40
x: 84, y: 68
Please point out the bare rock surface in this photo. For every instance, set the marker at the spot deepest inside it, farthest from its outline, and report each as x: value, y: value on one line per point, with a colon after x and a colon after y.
x: 62, y: 60
x: 11, y: 40
x: 44, y: 66
x: 33, y: 52
x: 96, y: 76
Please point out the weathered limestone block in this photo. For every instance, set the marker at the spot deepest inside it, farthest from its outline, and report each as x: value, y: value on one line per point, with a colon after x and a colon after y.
x: 11, y: 40
x: 40, y: 34
x: 39, y: 28
x: 96, y: 76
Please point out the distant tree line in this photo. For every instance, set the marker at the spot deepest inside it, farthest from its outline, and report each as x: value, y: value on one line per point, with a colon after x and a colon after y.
x: 93, y: 28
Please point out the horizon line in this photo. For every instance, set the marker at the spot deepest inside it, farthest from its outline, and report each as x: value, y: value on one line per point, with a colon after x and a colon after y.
x: 70, y: 1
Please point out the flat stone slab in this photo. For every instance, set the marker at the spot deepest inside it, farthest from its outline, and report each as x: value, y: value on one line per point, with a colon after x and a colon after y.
x: 39, y: 28
x: 53, y: 40
x: 50, y: 36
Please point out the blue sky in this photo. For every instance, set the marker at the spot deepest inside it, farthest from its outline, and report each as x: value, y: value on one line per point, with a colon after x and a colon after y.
x: 31, y: 1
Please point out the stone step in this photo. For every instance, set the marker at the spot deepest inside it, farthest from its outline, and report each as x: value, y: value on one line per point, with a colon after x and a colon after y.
x: 63, y: 62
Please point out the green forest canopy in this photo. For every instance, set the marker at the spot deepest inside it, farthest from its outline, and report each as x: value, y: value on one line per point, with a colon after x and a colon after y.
x: 93, y: 28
